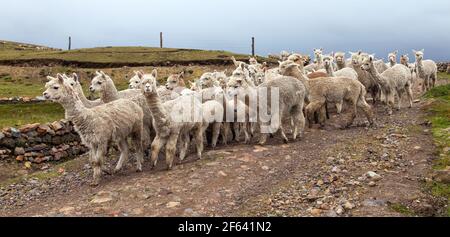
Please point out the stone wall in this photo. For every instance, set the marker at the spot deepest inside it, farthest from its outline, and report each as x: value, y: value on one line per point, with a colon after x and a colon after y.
x: 39, y: 143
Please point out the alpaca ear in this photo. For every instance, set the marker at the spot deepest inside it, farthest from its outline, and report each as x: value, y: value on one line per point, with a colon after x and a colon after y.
x: 98, y: 73
x: 423, y: 50
x: 155, y: 73
x: 414, y: 51
x: 75, y: 77
x: 140, y: 74
x: 60, y: 78
x: 181, y: 75
x: 396, y: 52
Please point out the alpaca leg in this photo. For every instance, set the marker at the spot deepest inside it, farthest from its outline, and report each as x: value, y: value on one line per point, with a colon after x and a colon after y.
x: 390, y: 100
x: 199, y: 142
x: 365, y: 107
x: 264, y: 134
x: 171, y: 148
x: 299, y: 126
x: 225, y: 130
x: 124, y: 152
x: 339, y: 107
x: 433, y: 79
x: 185, y: 140
x: 99, y: 152
x: 409, y: 93
x: 352, y: 106
x: 399, y: 102
x: 215, y: 134
x: 157, y: 144
x: 245, y: 128
x: 237, y: 131
x: 138, y: 143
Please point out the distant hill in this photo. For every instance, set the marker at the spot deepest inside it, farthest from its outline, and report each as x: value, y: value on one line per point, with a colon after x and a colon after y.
x: 12, y: 53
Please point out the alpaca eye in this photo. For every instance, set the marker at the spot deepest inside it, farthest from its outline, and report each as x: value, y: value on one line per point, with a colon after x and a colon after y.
x: 99, y: 82
x: 55, y: 87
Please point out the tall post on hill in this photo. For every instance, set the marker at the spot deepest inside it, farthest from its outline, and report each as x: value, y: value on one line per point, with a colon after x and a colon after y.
x: 253, y: 46
x: 160, y: 39
x: 70, y: 42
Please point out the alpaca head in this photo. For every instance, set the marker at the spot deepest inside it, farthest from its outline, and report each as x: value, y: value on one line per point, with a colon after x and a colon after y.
x: 284, y: 55
x: 367, y: 63
x: 393, y: 56
x: 238, y: 79
x: 297, y: 58
x: 148, y: 86
x: 175, y: 80
x: 99, y: 82
x: 355, y: 57
x: 221, y: 78
x: 207, y: 80
x: 135, y: 81
x: 287, y: 67
x: 252, y: 61
x: 339, y: 57
x: 418, y: 55
x: 318, y: 53
x: 327, y: 60
x: 404, y: 59
x: 58, y: 89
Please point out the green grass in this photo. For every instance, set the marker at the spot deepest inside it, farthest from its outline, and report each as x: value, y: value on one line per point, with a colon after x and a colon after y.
x: 443, y: 76
x: 439, y: 115
x: 19, y: 88
x: 401, y: 209
x: 16, y: 115
x: 120, y: 55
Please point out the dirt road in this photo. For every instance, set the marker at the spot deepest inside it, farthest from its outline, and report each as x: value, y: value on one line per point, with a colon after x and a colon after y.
x: 359, y: 171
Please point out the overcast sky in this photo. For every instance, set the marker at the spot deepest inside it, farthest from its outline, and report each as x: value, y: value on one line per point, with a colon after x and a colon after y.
x: 374, y: 26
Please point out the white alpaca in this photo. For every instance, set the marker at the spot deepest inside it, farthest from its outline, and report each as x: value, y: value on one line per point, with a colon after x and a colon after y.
x: 392, y: 57
x: 116, y: 121
x: 173, y: 122
x: 135, y: 81
x: 345, y: 72
x: 103, y: 84
x: 396, y: 79
x: 426, y: 70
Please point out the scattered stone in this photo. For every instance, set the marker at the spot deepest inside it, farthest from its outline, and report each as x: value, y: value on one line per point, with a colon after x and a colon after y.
x: 19, y: 151
x: 172, y: 204
x: 223, y: 174
x: 103, y: 197
x: 339, y: 210
x: 265, y: 168
x: 417, y: 148
x: 373, y: 176
x: 348, y: 205
x: 372, y: 184
x: 316, y: 212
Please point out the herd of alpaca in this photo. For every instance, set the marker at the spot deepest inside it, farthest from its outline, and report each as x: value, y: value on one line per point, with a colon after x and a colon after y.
x: 150, y: 117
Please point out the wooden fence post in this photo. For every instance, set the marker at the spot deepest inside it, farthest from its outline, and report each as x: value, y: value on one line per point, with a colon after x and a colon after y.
x: 70, y: 42
x: 253, y: 46
x: 160, y: 39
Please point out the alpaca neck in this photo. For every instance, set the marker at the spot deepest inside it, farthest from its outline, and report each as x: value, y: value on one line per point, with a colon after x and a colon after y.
x: 392, y: 63
x: 319, y: 59
x: 295, y: 72
x: 74, y: 108
x: 420, y: 69
x: 340, y: 65
x: 329, y: 70
x: 110, y: 92
x: 377, y: 76
x: 81, y: 95
x: 158, y: 113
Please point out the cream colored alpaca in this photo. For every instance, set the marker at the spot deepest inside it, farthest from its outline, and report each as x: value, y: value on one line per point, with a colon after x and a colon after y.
x: 396, y: 79
x: 345, y: 72
x: 115, y: 121
x: 135, y: 81
x: 426, y: 70
x: 103, y: 84
x: 171, y: 124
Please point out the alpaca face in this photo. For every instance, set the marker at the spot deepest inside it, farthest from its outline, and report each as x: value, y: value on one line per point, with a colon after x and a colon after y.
x: 339, y: 57
x: 355, y: 57
x: 393, y: 57
x: 318, y: 53
x: 297, y: 58
x: 207, y: 80
x: 419, y: 55
x: 253, y: 61
x: 328, y: 60
x: 404, y: 59
x: 148, y: 86
x: 56, y: 89
x: 286, y: 66
x: 174, y: 81
x: 135, y: 81
x: 98, y: 83
x: 367, y: 63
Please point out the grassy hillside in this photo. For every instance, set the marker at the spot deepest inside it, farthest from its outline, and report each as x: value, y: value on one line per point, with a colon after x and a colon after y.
x: 15, y: 54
